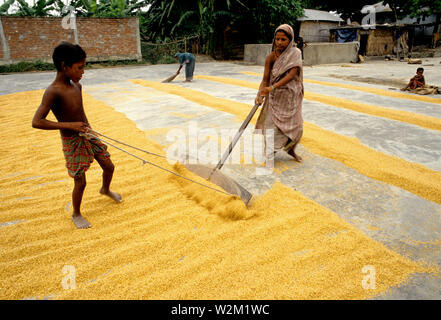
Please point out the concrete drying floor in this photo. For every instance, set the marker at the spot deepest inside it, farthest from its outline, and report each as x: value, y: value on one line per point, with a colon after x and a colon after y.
x: 403, y: 219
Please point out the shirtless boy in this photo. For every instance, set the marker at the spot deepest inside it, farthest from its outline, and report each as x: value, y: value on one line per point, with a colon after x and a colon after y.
x: 64, y: 98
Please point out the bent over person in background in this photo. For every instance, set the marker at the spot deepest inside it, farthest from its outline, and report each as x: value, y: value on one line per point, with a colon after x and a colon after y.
x: 282, y: 87
x: 189, y: 61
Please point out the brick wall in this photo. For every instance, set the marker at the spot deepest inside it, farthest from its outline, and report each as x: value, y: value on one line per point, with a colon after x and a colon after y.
x: 30, y: 39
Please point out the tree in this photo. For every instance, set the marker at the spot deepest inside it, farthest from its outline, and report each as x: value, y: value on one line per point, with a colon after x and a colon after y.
x: 416, y: 8
x: 107, y: 8
x: 211, y: 18
x: 41, y: 8
x: 346, y: 9
x: 170, y: 19
x: 269, y: 14
x: 5, y: 6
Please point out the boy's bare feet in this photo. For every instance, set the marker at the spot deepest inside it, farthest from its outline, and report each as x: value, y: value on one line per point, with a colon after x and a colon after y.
x: 113, y: 195
x: 80, y: 222
x: 294, y: 155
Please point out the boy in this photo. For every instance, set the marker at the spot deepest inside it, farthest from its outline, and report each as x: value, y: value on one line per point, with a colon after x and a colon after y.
x: 64, y: 98
x: 417, y: 81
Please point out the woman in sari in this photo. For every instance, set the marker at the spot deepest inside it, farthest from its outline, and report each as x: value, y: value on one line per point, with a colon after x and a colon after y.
x: 282, y: 87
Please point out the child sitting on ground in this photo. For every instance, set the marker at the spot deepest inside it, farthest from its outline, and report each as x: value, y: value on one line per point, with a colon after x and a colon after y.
x: 417, y: 81
x: 64, y: 98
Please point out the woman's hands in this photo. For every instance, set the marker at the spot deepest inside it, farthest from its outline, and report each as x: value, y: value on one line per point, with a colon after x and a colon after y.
x: 259, y: 100
x: 266, y: 90
x: 263, y: 93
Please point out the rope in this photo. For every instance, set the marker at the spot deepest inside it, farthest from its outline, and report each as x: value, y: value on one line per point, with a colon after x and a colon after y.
x: 127, y: 145
x: 88, y: 135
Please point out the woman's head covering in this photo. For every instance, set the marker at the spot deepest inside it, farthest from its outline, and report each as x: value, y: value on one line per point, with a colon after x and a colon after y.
x: 288, y: 29
x: 291, y: 57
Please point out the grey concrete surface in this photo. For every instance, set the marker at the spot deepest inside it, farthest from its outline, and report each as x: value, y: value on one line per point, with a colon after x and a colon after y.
x: 399, y: 219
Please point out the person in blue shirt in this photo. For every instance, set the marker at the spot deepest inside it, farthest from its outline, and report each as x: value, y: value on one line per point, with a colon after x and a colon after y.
x: 189, y: 60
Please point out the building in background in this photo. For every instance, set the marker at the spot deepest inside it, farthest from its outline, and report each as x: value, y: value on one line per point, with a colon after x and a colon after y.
x: 314, y: 25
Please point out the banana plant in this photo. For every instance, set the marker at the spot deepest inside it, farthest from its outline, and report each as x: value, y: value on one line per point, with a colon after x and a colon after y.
x: 5, y: 6
x: 41, y: 8
x: 107, y: 8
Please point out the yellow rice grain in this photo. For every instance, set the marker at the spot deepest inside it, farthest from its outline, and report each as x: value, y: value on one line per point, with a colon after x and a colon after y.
x: 159, y: 243
x: 409, y: 176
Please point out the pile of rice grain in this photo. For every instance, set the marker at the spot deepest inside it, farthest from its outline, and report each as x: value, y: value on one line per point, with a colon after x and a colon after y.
x: 163, y: 241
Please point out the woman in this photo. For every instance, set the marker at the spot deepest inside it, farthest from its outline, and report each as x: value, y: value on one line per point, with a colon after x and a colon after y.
x: 282, y: 87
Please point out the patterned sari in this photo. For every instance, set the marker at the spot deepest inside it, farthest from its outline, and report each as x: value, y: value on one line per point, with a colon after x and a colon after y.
x: 284, y: 103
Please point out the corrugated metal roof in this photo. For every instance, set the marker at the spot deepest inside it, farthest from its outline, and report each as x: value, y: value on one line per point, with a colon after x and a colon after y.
x: 318, y: 15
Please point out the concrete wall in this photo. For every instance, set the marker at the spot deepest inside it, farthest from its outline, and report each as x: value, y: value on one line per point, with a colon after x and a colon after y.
x: 34, y: 38
x: 330, y: 52
x: 312, y: 31
x: 256, y: 53
x: 314, y: 53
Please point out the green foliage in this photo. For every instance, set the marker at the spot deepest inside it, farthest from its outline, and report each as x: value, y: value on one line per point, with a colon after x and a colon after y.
x: 210, y: 19
x: 155, y: 53
x: 27, y: 66
x: 167, y: 20
x: 415, y: 7
x: 177, y: 19
x: 41, y: 8
x: 5, y: 6
x: 269, y: 14
x: 107, y: 8
x: 44, y: 66
x: 113, y: 63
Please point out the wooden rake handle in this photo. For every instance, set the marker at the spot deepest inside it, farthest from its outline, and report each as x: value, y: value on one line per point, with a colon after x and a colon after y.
x: 237, y: 136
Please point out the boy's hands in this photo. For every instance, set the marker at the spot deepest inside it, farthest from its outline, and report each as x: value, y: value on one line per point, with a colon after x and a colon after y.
x: 79, y: 126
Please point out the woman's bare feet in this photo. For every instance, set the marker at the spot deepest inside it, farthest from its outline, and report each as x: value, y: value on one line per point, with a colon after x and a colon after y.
x: 80, y: 222
x: 113, y: 195
x: 294, y: 155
